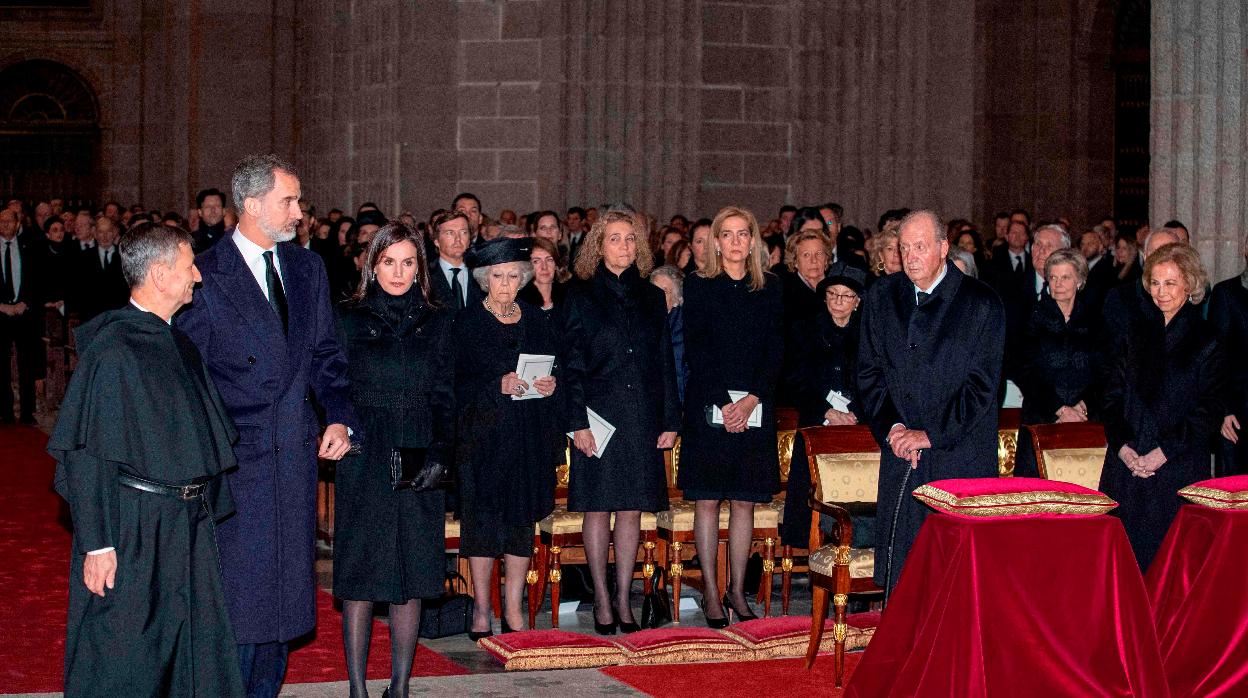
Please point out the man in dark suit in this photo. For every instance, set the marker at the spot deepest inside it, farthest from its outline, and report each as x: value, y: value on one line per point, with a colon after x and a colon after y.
x: 1228, y: 312
x: 21, y: 317
x: 99, y: 284
x: 263, y: 323
x: 1101, y: 274
x: 577, y: 229
x: 929, y: 362
x: 451, y: 283
x: 211, y: 205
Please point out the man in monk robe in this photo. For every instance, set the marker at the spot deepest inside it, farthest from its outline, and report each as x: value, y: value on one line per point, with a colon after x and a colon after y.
x: 141, y: 444
x: 929, y: 362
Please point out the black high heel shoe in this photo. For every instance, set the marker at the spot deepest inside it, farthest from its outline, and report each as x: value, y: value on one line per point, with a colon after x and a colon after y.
x: 506, y: 628
x: 714, y: 623
x: 605, y: 628
x: 475, y: 635
x: 728, y: 606
x: 625, y: 628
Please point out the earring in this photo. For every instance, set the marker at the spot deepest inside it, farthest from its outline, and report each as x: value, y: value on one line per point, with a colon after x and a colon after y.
x: 716, y: 251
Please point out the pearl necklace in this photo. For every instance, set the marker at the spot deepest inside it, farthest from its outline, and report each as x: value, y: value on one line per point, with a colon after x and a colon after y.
x: 510, y: 311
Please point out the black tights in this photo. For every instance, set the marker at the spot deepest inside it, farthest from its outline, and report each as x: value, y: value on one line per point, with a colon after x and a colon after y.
x: 357, y: 633
x: 598, y: 537
x: 706, y: 537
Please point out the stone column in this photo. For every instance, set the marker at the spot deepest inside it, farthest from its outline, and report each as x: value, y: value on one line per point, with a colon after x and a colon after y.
x: 1199, y: 126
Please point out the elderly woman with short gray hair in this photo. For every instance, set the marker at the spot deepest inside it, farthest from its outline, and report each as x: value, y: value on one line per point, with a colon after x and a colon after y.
x: 507, y: 447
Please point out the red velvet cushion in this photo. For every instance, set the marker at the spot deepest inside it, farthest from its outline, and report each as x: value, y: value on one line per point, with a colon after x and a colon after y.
x: 1220, y: 492
x: 551, y: 649
x: 1012, y: 496
x: 677, y: 644
x: 787, y: 636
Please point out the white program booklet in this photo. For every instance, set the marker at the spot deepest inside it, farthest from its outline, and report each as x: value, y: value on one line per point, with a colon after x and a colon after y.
x: 601, y: 429
x: 530, y: 367
x: 756, y: 417
x: 837, y: 402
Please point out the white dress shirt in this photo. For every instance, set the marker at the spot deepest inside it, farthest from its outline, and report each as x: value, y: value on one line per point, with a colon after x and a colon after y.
x: 106, y: 255
x: 15, y: 258
x: 463, y: 276
x: 1016, y: 260
x: 253, y: 256
x: 931, y: 289
x: 1039, y: 285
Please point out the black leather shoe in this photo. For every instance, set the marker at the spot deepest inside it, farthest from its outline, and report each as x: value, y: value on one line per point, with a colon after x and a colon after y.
x: 475, y: 635
x: 713, y: 623
x: 605, y: 628
x: 625, y: 628
x: 730, y: 608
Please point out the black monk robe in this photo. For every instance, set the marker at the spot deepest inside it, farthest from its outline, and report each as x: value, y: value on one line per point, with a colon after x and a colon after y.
x: 141, y: 404
x: 934, y: 367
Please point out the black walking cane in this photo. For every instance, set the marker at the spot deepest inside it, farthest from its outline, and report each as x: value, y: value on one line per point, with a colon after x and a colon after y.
x: 892, y: 534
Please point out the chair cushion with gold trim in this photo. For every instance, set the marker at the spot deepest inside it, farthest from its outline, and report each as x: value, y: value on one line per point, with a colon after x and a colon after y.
x: 562, y: 521
x: 848, y: 477
x: 1219, y: 493
x: 676, y: 644
x: 1017, y: 496
x: 551, y: 649
x: 861, y: 562
x: 1082, y: 466
x: 680, y: 516
x: 452, y: 526
x: 787, y: 636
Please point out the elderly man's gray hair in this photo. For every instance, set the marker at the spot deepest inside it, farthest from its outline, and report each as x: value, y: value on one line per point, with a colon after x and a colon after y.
x: 957, y: 254
x: 254, y: 176
x: 938, y: 226
x: 1056, y: 227
x: 147, y: 243
x: 676, y: 276
x: 482, y: 275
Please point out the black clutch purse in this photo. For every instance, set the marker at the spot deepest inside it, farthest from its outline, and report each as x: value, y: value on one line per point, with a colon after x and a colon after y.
x: 411, y: 469
x: 450, y: 613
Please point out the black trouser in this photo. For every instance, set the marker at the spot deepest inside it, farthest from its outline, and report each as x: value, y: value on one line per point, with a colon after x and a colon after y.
x: 23, y: 333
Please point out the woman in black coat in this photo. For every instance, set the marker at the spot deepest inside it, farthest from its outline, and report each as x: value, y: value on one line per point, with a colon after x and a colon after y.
x: 620, y: 366
x: 1163, y: 402
x: 732, y: 343
x: 506, y: 449
x: 388, y: 544
x: 549, y: 287
x: 1063, y: 353
x: 825, y: 359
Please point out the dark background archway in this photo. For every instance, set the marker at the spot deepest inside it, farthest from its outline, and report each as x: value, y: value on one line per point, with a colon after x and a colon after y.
x: 49, y: 133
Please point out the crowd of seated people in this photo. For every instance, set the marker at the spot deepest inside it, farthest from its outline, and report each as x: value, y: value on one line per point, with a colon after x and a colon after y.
x: 651, y: 323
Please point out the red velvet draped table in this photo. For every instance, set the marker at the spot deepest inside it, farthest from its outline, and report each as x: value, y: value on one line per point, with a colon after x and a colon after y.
x: 1198, y: 586
x: 1016, y: 606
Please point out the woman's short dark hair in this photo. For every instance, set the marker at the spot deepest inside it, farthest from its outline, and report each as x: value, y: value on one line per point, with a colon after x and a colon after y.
x: 393, y: 232
x: 803, y: 216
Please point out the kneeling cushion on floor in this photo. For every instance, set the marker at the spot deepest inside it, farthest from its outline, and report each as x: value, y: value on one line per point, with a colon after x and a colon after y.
x: 1013, y: 496
x: 1219, y: 493
x: 551, y: 649
x: 677, y: 644
x: 787, y: 636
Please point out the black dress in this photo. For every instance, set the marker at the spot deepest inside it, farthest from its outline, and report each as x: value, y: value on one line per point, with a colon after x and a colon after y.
x: 825, y: 358
x: 732, y: 342
x: 620, y: 365
x: 1167, y: 391
x: 506, y: 450
x: 388, y: 546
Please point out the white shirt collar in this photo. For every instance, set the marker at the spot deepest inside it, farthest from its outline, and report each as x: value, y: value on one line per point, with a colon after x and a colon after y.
x: 931, y: 289
x: 253, y: 257
x: 136, y: 304
x: 249, y: 249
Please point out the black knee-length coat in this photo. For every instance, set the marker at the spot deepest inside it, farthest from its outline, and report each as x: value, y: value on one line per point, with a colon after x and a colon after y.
x: 619, y: 365
x: 1061, y: 362
x: 1228, y: 313
x: 388, y: 545
x: 1167, y: 390
x: 732, y: 342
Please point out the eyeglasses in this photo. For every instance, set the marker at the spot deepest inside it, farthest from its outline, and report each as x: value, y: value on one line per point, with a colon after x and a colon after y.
x: 842, y: 297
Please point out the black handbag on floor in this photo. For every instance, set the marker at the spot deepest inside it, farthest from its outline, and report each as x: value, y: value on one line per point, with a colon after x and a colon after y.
x: 450, y: 613
x: 410, y: 468
x: 656, y: 607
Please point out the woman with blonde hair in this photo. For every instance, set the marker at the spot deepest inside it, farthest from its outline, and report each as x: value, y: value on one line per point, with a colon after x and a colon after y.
x: 733, y: 346
x: 619, y: 365
x: 882, y: 248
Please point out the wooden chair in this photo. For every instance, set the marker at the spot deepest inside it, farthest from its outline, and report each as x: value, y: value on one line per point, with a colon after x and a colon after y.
x: 844, y: 464
x: 1070, y: 452
x: 1009, y: 421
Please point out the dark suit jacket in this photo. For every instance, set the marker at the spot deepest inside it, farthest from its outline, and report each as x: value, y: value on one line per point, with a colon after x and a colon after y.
x: 31, y: 289
x: 267, y: 381
x: 207, y: 236
x: 96, y: 288
x: 1018, y: 295
x: 440, y: 289
x: 1060, y: 365
x: 935, y: 368
x: 1228, y: 313
x: 1101, y: 278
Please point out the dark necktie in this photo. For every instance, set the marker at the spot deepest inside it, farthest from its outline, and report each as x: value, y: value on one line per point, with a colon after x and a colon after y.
x: 1018, y: 265
x: 1044, y: 291
x: 922, y: 297
x: 457, y: 291
x: 108, y: 258
x: 277, y: 295
x: 8, y: 290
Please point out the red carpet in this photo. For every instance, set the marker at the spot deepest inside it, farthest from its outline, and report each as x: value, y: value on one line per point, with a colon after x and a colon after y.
x: 321, y: 659
x: 736, y: 679
x: 34, y: 564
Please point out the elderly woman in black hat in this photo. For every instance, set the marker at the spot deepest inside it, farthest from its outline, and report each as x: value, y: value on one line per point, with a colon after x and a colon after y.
x: 507, y: 447
x: 822, y: 378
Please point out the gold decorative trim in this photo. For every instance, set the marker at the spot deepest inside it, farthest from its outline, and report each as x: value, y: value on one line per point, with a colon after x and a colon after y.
x: 648, y: 545
x: 1214, y: 498
x: 842, y: 555
x: 1007, y: 449
x: 769, y: 566
x: 1011, y: 503
x: 648, y: 569
x: 784, y: 444
x: 840, y: 599
x: 839, y: 631
x: 556, y: 576
x: 786, y: 564
x: 531, y: 577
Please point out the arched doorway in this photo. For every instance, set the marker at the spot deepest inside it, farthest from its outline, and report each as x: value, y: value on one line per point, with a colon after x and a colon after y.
x: 49, y: 133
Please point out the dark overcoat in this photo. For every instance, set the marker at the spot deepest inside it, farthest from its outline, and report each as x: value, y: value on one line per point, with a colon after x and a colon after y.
x: 267, y: 380
x: 1166, y: 390
x: 732, y: 342
x: 620, y: 365
x: 934, y: 368
x: 1060, y: 361
x: 388, y: 545
x: 1228, y: 312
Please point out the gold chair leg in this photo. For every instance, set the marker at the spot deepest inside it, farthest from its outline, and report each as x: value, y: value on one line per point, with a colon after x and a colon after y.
x: 537, y: 588
x: 556, y: 576
x: 818, y: 611
x: 675, y: 570
x: 839, y: 602
x: 647, y: 567
x: 786, y: 577
x: 769, y: 566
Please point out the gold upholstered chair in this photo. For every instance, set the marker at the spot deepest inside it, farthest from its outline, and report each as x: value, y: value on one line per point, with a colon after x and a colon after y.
x: 1009, y: 421
x: 1070, y: 452
x: 844, y: 464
